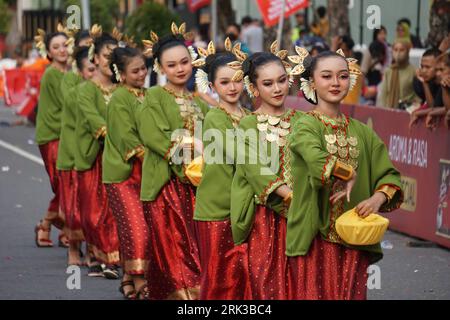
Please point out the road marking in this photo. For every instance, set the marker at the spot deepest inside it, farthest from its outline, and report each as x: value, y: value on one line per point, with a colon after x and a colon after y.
x: 21, y: 152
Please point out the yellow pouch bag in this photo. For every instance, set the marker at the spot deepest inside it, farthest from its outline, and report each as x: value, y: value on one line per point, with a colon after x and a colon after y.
x: 194, y: 171
x: 359, y: 231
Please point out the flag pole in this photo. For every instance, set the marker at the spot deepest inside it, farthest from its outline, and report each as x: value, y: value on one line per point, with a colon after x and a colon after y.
x: 214, y: 20
x: 280, y: 25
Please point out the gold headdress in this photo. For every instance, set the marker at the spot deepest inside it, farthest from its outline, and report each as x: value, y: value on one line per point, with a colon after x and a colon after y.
x: 40, y: 39
x: 95, y: 32
x: 282, y: 54
x: 353, y: 69
x: 154, y: 38
x: 201, y: 77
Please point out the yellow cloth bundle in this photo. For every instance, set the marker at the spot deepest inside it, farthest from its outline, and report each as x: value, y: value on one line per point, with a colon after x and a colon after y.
x: 194, y: 171
x: 359, y: 231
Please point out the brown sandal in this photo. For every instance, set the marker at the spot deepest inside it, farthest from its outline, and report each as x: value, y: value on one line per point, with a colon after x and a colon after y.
x: 42, y: 242
x: 130, y: 295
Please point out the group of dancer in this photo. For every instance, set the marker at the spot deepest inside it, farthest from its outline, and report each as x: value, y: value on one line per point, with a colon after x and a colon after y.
x: 253, y: 219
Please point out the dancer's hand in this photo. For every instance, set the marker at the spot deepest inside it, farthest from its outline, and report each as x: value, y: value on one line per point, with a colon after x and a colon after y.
x: 348, y: 190
x: 371, y: 205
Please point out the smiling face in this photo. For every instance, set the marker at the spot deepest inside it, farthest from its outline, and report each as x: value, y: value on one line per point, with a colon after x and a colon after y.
x: 58, y: 49
x: 272, y: 84
x: 228, y: 91
x: 176, y: 64
x: 331, y: 79
x: 102, y: 59
x: 135, y: 72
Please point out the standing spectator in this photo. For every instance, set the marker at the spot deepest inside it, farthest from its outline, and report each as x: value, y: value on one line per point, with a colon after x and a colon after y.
x: 404, y: 33
x: 397, y: 85
x: 300, y: 26
x: 321, y: 25
x: 234, y: 33
x: 427, y: 85
x: 252, y: 34
x: 443, y: 76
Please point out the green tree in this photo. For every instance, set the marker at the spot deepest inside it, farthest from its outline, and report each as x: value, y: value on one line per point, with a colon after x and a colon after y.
x: 5, y: 17
x: 103, y: 12
x: 150, y: 16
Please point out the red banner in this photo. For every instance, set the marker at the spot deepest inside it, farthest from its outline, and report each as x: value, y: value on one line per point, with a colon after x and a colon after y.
x: 271, y: 9
x: 194, y: 5
x: 423, y: 158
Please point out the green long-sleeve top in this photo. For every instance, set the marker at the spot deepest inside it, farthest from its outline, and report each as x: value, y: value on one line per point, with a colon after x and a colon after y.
x: 262, y: 166
x: 122, y: 143
x: 214, y: 192
x: 90, y: 124
x: 317, y: 142
x: 48, y: 119
x: 67, y: 141
x: 157, y: 118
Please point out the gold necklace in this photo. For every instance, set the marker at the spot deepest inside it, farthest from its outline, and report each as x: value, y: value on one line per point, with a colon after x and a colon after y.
x: 138, y: 93
x: 235, y: 118
x: 273, y: 128
x: 106, y: 92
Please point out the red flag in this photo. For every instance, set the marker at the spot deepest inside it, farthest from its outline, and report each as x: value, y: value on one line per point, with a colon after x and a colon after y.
x: 271, y: 9
x: 194, y: 5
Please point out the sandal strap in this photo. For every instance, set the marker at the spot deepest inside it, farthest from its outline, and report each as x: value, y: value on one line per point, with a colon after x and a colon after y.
x: 127, y: 283
x: 40, y: 227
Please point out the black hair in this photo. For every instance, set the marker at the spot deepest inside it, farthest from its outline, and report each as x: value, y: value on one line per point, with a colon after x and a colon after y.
x: 165, y: 43
x: 216, y: 61
x: 377, y: 50
x: 246, y: 20
x: 238, y: 27
x: 257, y: 60
x: 102, y: 41
x: 348, y: 41
x: 84, y: 34
x: 311, y: 63
x: 404, y: 20
x: 80, y: 54
x: 121, y: 58
x: 48, y: 39
x: 377, y: 31
x: 432, y: 52
x: 321, y: 11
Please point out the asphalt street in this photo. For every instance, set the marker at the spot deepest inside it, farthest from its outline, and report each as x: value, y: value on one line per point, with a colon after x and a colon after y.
x: 28, y: 272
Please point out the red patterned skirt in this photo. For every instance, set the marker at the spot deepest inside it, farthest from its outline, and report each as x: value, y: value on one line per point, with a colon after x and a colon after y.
x: 267, y: 257
x: 174, y: 267
x: 133, y: 231
x: 224, y: 266
x: 68, y: 204
x: 328, y: 272
x: 49, y: 153
x: 97, y: 220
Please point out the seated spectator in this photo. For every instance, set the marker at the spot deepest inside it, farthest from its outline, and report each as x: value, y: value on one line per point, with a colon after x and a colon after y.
x: 397, y: 85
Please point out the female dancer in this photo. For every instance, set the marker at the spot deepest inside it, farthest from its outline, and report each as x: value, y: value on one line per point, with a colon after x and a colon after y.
x: 224, y: 265
x: 262, y: 184
x: 122, y: 167
x: 66, y: 158
x: 328, y: 149
x: 48, y: 126
x: 98, y: 223
x: 166, y: 122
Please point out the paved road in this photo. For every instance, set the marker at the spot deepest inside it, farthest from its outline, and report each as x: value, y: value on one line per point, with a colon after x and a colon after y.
x: 27, y: 272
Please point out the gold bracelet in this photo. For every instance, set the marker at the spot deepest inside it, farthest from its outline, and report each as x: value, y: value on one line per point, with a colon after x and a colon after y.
x: 343, y: 171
